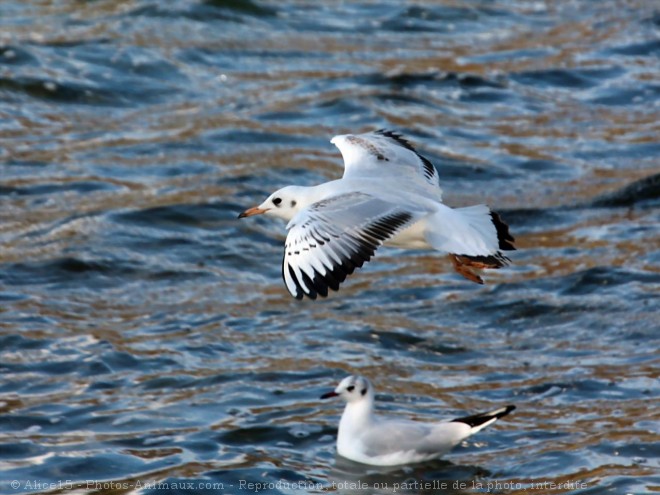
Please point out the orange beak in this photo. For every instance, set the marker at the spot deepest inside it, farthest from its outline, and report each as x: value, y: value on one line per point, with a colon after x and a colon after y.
x: 253, y: 211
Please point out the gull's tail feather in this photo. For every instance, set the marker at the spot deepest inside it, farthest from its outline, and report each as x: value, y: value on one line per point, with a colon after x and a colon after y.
x: 480, y: 421
x: 473, y: 236
x: 504, y: 238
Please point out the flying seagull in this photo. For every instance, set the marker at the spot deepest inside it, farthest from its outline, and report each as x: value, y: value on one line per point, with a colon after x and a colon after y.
x: 389, y: 194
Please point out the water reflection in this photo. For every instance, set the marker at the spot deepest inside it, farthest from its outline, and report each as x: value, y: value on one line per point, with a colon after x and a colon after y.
x: 145, y: 334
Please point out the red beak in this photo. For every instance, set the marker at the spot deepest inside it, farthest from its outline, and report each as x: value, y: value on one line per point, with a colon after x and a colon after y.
x: 329, y: 394
x: 253, y: 211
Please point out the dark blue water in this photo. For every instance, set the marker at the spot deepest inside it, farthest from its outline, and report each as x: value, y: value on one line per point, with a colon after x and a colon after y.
x: 147, y: 342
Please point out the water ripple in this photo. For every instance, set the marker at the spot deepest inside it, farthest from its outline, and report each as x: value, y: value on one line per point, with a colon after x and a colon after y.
x: 145, y: 333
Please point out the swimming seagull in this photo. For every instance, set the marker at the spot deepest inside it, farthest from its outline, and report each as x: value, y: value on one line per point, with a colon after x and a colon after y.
x: 389, y: 194
x: 364, y: 437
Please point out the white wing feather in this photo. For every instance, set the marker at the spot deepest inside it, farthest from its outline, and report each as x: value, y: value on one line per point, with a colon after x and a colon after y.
x: 385, y: 154
x: 332, y: 237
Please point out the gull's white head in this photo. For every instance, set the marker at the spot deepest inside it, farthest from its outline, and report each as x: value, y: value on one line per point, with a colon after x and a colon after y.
x: 352, y: 389
x: 285, y: 203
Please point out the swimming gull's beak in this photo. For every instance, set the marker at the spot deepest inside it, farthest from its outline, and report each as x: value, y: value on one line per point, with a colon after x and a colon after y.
x: 329, y: 394
x: 255, y: 210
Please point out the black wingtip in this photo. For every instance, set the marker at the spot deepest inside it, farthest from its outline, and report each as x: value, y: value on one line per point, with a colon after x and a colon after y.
x: 479, y: 419
x: 429, y: 168
x: 396, y: 136
x: 506, y: 411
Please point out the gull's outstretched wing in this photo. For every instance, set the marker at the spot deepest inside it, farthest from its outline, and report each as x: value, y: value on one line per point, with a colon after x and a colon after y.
x: 332, y: 237
x: 386, y: 154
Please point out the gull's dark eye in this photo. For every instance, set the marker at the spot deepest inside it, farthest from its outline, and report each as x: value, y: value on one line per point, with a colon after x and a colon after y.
x: 277, y: 201
x: 351, y: 388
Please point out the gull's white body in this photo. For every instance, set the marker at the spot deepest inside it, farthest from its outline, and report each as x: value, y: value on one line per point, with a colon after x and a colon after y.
x: 412, y: 237
x: 367, y: 438
x: 389, y: 194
